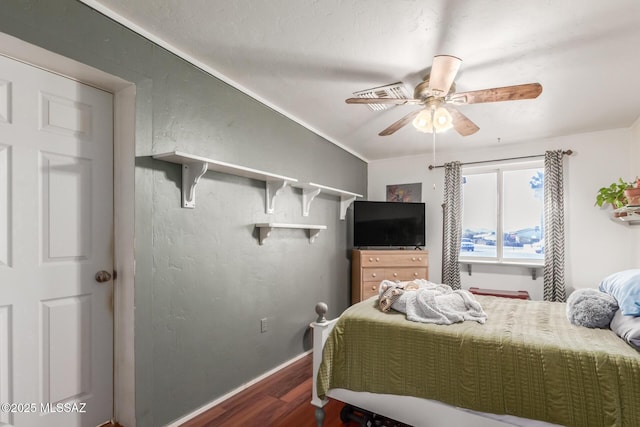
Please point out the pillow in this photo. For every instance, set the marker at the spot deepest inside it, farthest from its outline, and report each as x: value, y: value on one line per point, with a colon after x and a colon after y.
x: 627, y: 328
x: 624, y: 286
x: 591, y: 308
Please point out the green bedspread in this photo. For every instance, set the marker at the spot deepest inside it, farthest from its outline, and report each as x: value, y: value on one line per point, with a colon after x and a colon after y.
x: 526, y: 360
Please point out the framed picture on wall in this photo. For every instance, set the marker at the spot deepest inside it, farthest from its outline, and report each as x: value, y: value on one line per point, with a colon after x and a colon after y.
x: 404, y: 192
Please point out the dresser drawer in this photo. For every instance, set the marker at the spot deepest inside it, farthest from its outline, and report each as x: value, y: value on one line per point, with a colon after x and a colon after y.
x: 404, y: 274
x: 373, y: 274
x: 370, y: 289
x: 395, y: 259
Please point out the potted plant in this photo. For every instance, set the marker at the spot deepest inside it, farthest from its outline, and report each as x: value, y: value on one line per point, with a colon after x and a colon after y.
x: 632, y: 193
x: 613, y: 194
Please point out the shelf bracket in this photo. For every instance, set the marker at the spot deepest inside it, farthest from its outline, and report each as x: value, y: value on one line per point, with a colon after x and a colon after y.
x: 264, y: 233
x: 308, y: 194
x: 191, y: 174
x: 534, y: 273
x: 313, y: 233
x: 469, y: 269
x: 345, y: 202
x: 273, y: 188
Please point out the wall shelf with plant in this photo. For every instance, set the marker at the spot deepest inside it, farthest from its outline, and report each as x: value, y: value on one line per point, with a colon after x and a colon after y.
x: 624, y: 197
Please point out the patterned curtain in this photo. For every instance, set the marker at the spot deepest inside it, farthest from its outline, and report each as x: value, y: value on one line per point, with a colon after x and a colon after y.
x: 554, y: 289
x: 452, y: 229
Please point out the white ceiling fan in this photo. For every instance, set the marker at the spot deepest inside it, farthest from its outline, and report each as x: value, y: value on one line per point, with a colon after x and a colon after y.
x: 436, y: 94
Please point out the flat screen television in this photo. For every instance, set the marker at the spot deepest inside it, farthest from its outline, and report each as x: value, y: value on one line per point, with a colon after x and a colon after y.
x: 388, y: 224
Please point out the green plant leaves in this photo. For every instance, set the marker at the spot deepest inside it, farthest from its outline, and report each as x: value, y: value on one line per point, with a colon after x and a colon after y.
x: 613, y: 194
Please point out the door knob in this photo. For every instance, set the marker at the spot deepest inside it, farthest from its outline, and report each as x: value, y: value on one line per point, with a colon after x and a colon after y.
x: 103, y: 276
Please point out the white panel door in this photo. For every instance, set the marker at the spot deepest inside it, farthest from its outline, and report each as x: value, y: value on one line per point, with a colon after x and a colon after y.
x: 56, y: 233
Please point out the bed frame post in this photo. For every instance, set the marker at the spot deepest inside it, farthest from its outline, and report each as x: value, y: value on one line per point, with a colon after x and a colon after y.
x: 321, y: 328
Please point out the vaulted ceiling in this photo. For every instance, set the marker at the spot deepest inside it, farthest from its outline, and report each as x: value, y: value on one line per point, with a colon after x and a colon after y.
x: 305, y: 57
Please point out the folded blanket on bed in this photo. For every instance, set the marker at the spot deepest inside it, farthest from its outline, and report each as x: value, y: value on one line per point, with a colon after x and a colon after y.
x: 433, y: 303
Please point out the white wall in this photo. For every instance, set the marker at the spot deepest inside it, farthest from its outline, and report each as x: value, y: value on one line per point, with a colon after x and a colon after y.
x: 596, y: 246
x: 635, y: 156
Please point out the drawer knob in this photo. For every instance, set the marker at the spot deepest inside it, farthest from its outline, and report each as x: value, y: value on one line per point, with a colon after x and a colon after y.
x: 413, y: 259
x: 373, y: 288
x: 419, y: 258
x: 377, y: 259
x: 370, y: 259
x: 374, y: 274
x: 395, y: 274
x: 415, y: 274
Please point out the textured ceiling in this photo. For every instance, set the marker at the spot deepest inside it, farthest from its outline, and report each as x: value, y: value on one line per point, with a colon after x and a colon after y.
x: 304, y: 57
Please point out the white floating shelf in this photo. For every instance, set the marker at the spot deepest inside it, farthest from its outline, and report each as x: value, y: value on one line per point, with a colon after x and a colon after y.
x: 193, y: 167
x: 310, y: 190
x: 267, y: 227
x: 532, y: 266
x: 628, y: 214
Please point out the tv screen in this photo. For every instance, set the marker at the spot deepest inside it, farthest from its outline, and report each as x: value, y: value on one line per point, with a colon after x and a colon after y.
x: 388, y: 224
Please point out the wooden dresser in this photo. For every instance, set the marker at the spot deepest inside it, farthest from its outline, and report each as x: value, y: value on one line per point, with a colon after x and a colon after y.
x: 370, y: 267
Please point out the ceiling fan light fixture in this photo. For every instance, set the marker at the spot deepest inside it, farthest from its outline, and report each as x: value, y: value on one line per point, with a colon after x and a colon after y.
x: 429, y: 120
x: 442, y: 120
x: 422, y: 121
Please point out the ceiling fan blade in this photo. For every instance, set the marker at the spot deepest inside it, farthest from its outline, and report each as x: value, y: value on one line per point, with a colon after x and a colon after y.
x: 400, y: 123
x: 461, y: 123
x: 497, y: 94
x: 397, y: 101
x: 443, y: 72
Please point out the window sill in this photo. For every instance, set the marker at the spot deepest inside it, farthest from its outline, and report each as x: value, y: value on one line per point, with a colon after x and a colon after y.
x: 533, y: 266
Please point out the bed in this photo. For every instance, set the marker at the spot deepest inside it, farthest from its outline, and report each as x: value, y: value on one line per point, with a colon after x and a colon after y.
x: 526, y: 366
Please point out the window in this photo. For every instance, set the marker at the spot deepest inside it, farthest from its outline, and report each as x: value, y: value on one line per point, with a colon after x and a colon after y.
x: 502, y: 214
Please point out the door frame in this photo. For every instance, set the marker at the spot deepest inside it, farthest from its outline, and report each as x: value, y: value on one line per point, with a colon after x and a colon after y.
x: 124, y: 101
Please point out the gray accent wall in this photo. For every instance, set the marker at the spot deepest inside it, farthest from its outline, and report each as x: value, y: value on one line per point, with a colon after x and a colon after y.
x: 203, y: 283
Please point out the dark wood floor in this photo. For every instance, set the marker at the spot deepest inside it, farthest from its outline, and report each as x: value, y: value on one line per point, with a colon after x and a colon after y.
x: 281, y: 400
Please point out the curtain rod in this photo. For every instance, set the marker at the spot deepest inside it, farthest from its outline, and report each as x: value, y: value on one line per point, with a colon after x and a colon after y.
x: 567, y: 152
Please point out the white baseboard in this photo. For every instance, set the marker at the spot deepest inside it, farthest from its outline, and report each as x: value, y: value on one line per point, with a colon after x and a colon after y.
x: 232, y: 393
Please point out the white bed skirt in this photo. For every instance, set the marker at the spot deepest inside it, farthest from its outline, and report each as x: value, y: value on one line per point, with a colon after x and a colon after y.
x: 419, y: 412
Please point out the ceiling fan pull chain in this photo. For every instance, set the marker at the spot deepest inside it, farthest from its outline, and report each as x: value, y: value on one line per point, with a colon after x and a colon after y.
x: 434, y: 154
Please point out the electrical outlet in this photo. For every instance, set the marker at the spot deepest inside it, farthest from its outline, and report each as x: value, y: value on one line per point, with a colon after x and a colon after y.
x: 264, y: 325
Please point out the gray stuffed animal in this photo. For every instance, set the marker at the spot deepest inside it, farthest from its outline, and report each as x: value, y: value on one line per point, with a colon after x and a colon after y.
x: 591, y: 308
